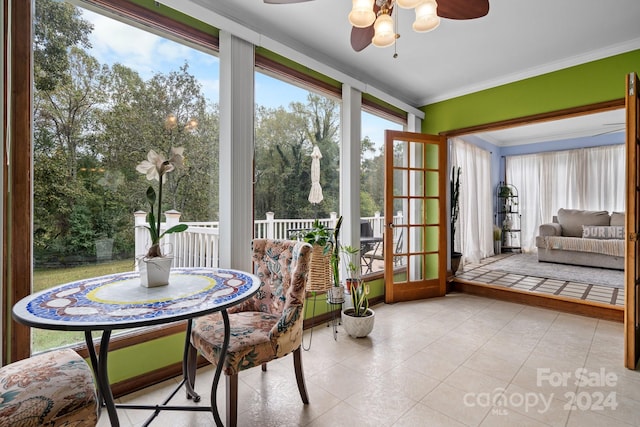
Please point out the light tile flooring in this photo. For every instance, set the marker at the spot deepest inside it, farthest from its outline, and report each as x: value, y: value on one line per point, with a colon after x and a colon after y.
x: 460, y: 360
x: 479, y: 273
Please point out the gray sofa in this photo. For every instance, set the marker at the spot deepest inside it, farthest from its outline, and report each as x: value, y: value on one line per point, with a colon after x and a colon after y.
x: 580, y: 237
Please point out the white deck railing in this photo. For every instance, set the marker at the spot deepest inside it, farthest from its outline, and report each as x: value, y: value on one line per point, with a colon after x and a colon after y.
x: 198, y: 245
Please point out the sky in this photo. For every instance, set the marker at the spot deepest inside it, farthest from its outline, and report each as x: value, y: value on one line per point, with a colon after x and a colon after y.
x: 113, y: 41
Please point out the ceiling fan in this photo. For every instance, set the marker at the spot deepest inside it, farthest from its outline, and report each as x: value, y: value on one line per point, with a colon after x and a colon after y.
x: 362, y: 36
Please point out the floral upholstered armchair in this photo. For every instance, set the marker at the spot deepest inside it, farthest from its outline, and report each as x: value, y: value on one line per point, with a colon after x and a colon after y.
x: 265, y: 327
x: 50, y: 389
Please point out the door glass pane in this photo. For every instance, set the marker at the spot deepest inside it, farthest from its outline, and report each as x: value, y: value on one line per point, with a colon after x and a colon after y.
x: 417, y: 210
x: 431, y: 156
x: 417, y: 155
x: 400, y: 181
x: 416, y: 183
x: 416, y: 240
x: 97, y: 117
x: 431, y: 266
x: 416, y: 266
x: 432, y: 239
x: 433, y: 211
x: 432, y: 184
x: 400, y: 154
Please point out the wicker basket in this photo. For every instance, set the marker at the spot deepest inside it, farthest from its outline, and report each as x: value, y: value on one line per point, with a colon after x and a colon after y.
x: 319, y: 279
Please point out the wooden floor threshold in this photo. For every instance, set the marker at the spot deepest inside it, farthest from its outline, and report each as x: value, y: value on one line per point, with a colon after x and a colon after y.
x: 564, y: 304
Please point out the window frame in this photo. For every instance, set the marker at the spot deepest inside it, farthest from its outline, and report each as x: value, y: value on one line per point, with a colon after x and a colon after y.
x: 18, y: 192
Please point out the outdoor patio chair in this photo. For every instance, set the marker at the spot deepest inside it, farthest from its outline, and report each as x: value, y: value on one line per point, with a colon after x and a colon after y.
x: 265, y: 327
x: 378, y: 254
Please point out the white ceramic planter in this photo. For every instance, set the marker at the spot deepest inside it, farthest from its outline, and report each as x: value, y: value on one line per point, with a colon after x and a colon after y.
x: 358, y: 327
x: 155, y: 271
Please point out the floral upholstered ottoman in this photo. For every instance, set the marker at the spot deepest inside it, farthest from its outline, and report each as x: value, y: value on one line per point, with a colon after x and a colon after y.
x: 50, y: 389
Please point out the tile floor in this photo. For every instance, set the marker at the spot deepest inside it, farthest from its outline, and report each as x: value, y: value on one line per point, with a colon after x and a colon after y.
x: 460, y: 360
x: 479, y: 273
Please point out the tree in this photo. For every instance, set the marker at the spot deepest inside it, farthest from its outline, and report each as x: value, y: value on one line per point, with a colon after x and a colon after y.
x: 284, y: 141
x: 57, y: 27
x: 372, y: 178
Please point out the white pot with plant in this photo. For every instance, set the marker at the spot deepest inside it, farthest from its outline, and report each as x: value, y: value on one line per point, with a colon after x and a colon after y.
x: 358, y: 320
x: 154, y: 267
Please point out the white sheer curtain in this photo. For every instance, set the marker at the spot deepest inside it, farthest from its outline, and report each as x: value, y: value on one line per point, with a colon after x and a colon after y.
x: 474, y: 232
x: 586, y: 178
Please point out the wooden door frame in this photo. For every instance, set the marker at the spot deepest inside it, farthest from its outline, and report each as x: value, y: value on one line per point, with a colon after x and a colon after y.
x: 390, y: 294
x: 631, y: 271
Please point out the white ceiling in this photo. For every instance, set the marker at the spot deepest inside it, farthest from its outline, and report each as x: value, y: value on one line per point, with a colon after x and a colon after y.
x: 591, y: 125
x: 516, y: 40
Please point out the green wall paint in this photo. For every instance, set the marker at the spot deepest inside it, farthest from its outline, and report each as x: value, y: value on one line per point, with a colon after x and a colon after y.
x: 178, y: 16
x: 129, y: 362
x: 597, y: 81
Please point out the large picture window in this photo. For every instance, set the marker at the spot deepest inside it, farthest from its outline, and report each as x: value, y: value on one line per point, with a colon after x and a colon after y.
x: 290, y: 121
x: 101, y: 104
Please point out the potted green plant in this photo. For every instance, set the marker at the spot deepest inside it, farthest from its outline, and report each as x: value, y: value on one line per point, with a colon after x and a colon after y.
x: 155, y: 267
x: 455, y: 210
x: 352, y: 266
x: 504, y: 191
x: 497, y: 240
x: 359, y: 319
x: 319, y: 237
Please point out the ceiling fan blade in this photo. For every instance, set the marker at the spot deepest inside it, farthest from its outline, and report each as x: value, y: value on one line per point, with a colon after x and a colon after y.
x: 462, y: 9
x: 361, y: 37
x: 284, y: 1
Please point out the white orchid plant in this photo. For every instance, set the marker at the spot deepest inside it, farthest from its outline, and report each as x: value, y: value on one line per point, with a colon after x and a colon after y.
x: 155, y: 167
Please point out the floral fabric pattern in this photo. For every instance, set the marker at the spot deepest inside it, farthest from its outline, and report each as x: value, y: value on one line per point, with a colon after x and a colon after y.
x: 269, y: 325
x: 50, y: 389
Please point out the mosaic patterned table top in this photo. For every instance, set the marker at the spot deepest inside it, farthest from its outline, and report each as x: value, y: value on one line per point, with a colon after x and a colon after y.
x: 118, y: 301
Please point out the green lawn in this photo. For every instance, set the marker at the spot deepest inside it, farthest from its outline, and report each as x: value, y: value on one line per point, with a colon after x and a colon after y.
x: 46, y: 278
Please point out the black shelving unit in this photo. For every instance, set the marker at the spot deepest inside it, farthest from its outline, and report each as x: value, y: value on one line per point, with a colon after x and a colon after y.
x: 508, y: 216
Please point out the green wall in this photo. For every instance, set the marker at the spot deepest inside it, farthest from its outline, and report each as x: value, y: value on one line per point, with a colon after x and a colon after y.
x: 597, y: 81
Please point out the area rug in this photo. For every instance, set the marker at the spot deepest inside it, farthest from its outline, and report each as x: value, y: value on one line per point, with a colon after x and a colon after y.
x: 528, y: 265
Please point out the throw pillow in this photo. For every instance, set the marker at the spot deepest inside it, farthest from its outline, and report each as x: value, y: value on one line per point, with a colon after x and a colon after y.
x: 572, y: 220
x: 617, y: 218
x: 602, y: 232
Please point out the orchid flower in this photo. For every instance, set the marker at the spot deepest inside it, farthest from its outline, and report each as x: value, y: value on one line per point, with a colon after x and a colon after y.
x: 154, y: 168
x: 156, y: 165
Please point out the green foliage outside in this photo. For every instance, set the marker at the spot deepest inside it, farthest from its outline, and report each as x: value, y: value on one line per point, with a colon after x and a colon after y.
x: 93, y: 123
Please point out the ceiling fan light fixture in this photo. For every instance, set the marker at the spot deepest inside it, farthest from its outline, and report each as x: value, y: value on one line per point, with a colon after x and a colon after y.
x: 424, y: 25
x: 426, y: 8
x: 427, y: 18
x: 408, y: 4
x: 362, y: 14
x: 384, y: 34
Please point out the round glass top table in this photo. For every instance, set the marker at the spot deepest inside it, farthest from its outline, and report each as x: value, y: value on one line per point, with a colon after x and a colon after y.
x: 118, y: 301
